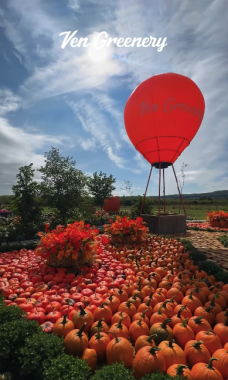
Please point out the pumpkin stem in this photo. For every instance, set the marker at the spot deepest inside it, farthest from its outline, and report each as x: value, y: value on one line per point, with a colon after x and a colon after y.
x: 119, y: 324
x: 208, y: 309
x: 82, y: 311
x: 151, y: 295
x: 99, y: 323
x: 153, y: 350
x: 163, y: 324
x: 226, y: 323
x: 213, y: 302
x: 197, y: 344
x: 208, y: 332
x: 103, y: 304
x: 128, y: 303
x: 98, y: 335
x: 120, y: 290
x: 150, y: 338
x: 210, y: 366
x: 184, y: 322
x: 143, y: 314
x: 226, y: 313
x: 148, y: 303
x: 111, y: 297
x: 139, y: 322
x: 198, y: 320
x: 111, y: 332
x: 180, y: 311
x: 79, y: 333
x: 64, y: 321
x: 180, y: 369
x: 170, y: 344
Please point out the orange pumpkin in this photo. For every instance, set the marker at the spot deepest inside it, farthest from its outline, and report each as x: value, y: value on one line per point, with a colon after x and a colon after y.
x: 172, y: 353
x: 222, y: 363
x: 143, y: 341
x: 113, y: 303
x: 196, y: 352
x: 83, y: 316
x: 180, y: 370
x: 90, y: 356
x: 120, y: 330
x: 127, y: 307
x: 202, y: 371
x: 76, y: 342
x: 138, y: 328
x: 183, y: 333
x: 221, y: 330
x: 63, y: 326
x: 103, y: 311
x: 119, y: 350
x: 148, y: 360
x: 99, y: 343
x: 121, y: 315
x: 198, y: 324
x: 210, y: 340
x: 99, y: 326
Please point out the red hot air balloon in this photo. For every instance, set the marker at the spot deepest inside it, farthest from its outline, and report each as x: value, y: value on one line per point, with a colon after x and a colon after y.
x: 162, y: 116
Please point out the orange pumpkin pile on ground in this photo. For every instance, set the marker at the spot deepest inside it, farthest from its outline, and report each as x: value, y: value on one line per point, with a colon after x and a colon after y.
x: 147, y: 306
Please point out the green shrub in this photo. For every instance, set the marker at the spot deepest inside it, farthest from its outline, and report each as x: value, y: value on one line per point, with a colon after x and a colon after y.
x: 113, y: 372
x: 222, y: 276
x: 18, y: 247
x: 160, y: 376
x: 12, y: 337
x: 194, y: 254
x: 210, y: 267
x: 66, y: 367
x: 224, y: 240
x: 10, y: 313
x: 37, y: 349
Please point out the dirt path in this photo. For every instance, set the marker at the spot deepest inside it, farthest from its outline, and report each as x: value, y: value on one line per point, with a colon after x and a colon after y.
x: 208, y: 243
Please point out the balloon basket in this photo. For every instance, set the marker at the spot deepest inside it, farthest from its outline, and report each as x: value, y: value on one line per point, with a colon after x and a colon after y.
x: 165, y: 224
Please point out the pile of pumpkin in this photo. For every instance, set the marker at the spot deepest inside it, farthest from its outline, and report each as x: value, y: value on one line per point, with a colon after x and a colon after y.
x: 150, y: 308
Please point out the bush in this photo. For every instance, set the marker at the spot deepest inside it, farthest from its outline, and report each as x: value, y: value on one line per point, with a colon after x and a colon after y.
x: 38, y: 348
x: 66, y: 367
x: 147, y: 207
x: 160, y: 376
x: 210, y: 267
x: 113, y: 372
x: 224, y: 240
x: 194, y: 254
x: 12, y: 337
x: 10, y: 313
x: 17, y: 247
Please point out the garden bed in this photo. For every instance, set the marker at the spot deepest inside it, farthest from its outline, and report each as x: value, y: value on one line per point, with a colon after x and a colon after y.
x: 30, y: 352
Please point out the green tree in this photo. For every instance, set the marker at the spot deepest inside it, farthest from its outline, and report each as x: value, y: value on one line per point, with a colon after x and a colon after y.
x: 147, y: 207
x: 27, y: 203
x: 101, y: 187
x: 63, y: 185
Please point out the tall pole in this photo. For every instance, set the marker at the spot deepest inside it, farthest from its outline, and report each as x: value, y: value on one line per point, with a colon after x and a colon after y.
x: 164, y: 188
x: 179, y: 189
x: 146, y: 190
x: 159, y: 188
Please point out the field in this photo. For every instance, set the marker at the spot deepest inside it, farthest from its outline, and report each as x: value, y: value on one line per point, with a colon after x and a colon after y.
x: 196, y: 208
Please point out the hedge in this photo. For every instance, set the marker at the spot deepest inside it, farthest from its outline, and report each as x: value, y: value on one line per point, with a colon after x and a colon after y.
x: 224, y: 240
x: 16, y: 247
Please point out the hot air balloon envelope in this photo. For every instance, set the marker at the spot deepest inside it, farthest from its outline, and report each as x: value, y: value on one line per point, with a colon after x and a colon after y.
x: 162, y: 116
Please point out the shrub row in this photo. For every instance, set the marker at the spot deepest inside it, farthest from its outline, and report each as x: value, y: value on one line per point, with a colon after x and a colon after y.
x: 29, y: 353
x: 18, y: 247
x: 200, y: 259
x: 205, y: 229
x: 224, y: 240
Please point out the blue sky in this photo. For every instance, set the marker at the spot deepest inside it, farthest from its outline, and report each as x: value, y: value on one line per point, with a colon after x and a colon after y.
x: 74, y: 98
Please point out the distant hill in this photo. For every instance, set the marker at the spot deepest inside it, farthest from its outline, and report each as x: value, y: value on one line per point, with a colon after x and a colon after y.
x: 214, y: 194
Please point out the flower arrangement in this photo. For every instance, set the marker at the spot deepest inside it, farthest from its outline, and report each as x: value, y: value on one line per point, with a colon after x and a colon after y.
x: 218, y: 218
x: 125, y: 226
x: 217, y: 215
x: 77, y: 241
x: 4, y: 212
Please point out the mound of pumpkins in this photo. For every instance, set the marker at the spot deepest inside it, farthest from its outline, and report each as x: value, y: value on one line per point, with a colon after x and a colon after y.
x: 148, y: 306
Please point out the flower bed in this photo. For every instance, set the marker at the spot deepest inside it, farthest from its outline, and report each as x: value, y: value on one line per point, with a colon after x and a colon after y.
x: 205, y: 227
x: 133, y: 298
